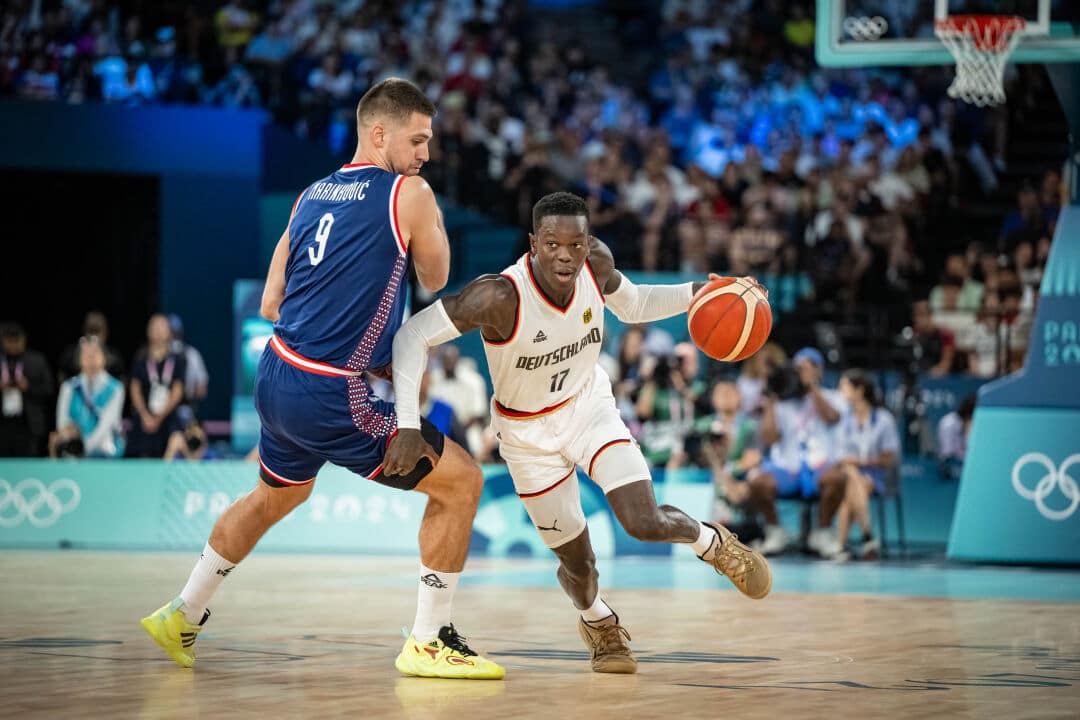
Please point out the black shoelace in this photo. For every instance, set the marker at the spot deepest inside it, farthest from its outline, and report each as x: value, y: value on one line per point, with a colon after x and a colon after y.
x: 450, y: 638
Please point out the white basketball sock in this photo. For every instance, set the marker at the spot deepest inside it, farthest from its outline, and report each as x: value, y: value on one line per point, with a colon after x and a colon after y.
x: 597, y: 611
x: 203, y: 583
x: 706, y: 535
x: 434, y: 602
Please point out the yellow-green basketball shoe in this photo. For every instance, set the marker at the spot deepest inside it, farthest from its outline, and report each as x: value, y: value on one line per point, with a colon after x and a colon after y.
x: 447, y: 656
x: 171, y: 630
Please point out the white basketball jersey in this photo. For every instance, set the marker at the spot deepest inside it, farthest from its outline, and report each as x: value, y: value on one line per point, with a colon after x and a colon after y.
x: 552, y: 352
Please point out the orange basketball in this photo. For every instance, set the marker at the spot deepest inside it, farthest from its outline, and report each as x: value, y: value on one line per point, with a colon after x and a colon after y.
x: 730, y: 318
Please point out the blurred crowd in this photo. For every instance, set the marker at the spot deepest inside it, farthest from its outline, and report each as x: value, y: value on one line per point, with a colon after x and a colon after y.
x: 90, y: 403
x: 706, y: 138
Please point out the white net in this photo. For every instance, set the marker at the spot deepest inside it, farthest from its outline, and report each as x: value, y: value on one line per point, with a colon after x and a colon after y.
x: 981, y: 45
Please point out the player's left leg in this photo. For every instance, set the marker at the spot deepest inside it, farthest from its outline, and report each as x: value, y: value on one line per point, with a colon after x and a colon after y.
x: 623, y: 474
x: 453, y: 486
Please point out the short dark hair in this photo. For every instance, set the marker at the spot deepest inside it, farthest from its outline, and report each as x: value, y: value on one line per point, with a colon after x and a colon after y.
x: 861, y: 379
x: 950, y: 280
x: 967, y: 407
x: 12, y: 330
x: 559, y: 203
x: 393, y: 98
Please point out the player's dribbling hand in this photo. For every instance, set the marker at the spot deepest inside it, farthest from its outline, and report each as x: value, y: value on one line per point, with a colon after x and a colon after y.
x: 752, y: 281
x: 404, y: 451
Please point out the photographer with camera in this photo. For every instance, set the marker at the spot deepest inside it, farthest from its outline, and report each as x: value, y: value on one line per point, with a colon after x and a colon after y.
x: 89, y: 408
x: 665, y: 403
x: 731, y: 446
x: 188, y: 443
x: 798, y: 422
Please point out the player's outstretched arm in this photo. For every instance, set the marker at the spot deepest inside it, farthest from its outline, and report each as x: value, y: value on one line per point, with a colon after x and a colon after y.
x: 636, y: 303
x: 639, y: 303
x: 490, y: 303
x: 421, y: 223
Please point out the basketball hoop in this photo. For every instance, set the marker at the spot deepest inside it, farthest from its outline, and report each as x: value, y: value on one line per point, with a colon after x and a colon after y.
x: 981, y: 45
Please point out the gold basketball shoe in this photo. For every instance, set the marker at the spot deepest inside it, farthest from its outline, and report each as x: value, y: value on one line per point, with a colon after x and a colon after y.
x: 607, y: 642
x: 747, y: 569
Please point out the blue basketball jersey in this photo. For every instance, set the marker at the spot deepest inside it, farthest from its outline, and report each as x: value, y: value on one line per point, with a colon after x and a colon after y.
x: 345, y: 277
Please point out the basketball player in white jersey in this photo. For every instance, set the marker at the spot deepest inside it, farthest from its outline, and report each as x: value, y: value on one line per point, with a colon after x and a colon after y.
x: 542, y: 322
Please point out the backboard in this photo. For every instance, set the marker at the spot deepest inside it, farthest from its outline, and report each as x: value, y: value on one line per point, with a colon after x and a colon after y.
x: 854, y: 33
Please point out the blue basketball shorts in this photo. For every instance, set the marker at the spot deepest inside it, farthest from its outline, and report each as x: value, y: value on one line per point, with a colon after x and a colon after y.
x: 313, y: 413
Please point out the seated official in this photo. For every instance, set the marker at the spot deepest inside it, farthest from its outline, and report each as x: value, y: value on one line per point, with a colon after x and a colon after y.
x: 89, y: 409
x: 869, y: 447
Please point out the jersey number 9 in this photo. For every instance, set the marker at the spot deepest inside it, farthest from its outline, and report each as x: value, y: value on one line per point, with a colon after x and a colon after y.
x: 321, y: 236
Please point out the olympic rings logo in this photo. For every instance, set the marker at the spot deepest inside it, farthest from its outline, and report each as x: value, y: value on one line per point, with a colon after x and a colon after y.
x: 1055, y: 477
x: 865, y: 28
x: 38, y: 504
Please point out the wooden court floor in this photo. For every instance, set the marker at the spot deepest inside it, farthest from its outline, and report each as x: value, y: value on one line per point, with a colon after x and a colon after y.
x: 314, y: 637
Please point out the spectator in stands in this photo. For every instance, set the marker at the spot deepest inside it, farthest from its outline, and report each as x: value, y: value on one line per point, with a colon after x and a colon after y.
x: 95, y: 325
x: 189, y: 442
x: 1029, y: 269
x: 952, y: 438
x: 89, y: 408
x: 658, y: 195
x: 39, y: 82
x: 440, y: 413
x: 755, y: 248
x: 126, y: 79
x: 869, y: 449
x: 1051, y: 194
x: 948, y: 294
x: 802, y: 456
x: 837, y: 264
x: 456, y: 382
x: 157, y: 390
x: 196, y: 377
x: 754, y: 375
x: 665, y: 404
x: 25, y: 389
x: 1015, y: 323
x: 236, y: 90
x: 935, y: 347
x: 530, y: 178
x: 704, y: 230
x: 1025, y: 223
x: 731, y: 445
x: 271, y: 47
x: 985, y: 356
x: 840, y: 211
x: 235, y: 24
x: 958, y: 283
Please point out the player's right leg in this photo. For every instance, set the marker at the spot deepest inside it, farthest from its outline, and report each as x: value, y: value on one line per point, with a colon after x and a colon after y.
x: 547, y: 484
x: 287, y: 472
x: 434, y: 648
x: 175, y: 625
x: 607, y: 640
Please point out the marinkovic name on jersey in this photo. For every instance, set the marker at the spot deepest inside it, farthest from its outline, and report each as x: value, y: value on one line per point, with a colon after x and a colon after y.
x: 532, y: 362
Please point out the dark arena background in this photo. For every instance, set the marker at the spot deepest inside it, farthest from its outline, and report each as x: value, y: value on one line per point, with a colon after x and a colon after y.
x: 901, y: 175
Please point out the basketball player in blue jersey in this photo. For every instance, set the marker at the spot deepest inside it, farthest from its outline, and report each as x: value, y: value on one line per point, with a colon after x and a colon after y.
x: 542, y: 321
x: 336, y: 294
